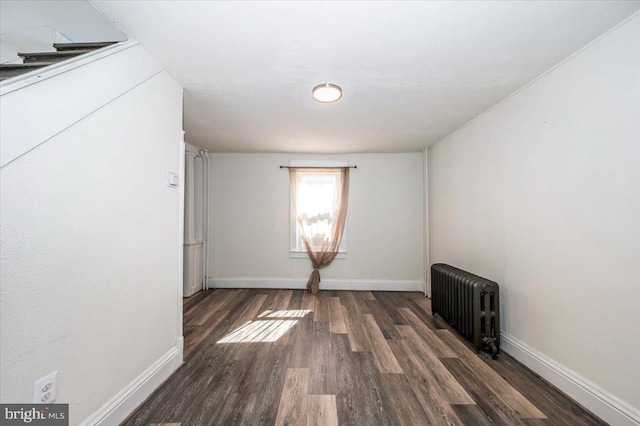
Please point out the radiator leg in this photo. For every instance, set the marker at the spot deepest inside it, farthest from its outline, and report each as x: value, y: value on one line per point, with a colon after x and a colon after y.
x: 491, y: 345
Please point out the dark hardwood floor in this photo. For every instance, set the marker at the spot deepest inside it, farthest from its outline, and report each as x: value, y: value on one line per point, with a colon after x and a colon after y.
x: 286, y: 357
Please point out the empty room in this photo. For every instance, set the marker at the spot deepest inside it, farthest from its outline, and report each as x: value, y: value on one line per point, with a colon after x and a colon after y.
x: 319, y: 212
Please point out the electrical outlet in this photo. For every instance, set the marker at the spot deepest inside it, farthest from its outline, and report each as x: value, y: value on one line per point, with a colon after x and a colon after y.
x: 44, y: 389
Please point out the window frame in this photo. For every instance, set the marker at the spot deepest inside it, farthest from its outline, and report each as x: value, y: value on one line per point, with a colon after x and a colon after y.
x: 294, y: 251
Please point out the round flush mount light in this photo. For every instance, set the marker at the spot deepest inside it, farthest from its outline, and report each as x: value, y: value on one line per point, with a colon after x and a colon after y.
x: 327, y: 93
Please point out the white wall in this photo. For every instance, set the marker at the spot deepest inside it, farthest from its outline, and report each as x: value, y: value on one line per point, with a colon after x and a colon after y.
x: 91, y: 251
x: 542, y: 194
x: 33, y: 26
x: 78, y: 21
x: 58, y: 104
x: 250, y: 221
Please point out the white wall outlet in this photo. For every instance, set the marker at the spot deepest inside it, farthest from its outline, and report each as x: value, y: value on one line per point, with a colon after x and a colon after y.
x: 44, y: 389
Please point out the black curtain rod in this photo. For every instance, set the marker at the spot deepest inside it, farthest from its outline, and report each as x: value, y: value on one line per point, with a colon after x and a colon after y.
x: 318, y: 167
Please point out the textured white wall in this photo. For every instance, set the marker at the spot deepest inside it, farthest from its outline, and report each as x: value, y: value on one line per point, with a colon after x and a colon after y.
x: 250, y: 217
x: 79, y: 21
x: 542, y: 194
x: 33, y: 26
x: 57, y: 103
x: 90, y: 250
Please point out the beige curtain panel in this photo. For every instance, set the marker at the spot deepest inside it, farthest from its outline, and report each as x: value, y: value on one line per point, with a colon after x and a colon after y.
x: 321, y: 242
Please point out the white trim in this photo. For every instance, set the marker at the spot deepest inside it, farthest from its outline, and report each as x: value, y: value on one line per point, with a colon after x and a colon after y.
x: 328, y: 284
x: 595, y: 399
x: 426, y: 258
x: 41, y: 74
x: 180, y: 236
x: 209, y: 283
x: 122, y: 404
x: 206, y: 214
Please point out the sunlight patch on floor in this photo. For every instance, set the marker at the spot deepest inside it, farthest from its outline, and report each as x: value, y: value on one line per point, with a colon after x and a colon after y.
x: 259, y: 331
x: 291, y: 313
x: 266, y: 330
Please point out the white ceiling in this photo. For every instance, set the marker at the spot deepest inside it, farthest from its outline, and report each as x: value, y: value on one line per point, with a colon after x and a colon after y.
x: 412, y: 72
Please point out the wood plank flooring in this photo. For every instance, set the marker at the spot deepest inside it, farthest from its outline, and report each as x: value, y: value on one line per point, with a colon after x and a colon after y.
x: 286, y: 357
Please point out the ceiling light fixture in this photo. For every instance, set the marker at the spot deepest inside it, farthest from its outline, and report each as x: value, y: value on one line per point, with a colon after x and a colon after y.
x: 327, y: 93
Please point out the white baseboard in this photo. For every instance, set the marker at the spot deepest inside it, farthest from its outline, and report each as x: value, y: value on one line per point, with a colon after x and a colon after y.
x: 588, y: 394
x: 328, y: 284
x: 128, y: 399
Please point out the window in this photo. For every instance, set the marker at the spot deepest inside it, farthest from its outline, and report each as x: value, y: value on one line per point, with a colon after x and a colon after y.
x: 318, y: 199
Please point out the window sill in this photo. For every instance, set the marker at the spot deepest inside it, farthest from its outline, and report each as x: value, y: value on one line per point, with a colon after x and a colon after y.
x: 293, y: 254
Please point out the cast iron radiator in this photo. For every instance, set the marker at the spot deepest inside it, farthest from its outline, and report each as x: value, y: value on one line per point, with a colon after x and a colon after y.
x: 469, y: 303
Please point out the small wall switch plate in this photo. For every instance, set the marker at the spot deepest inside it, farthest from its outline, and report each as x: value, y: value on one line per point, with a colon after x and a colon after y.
x: 172, y: 179
x: 44, y: 389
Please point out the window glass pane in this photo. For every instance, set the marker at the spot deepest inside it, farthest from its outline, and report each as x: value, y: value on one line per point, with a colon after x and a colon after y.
x: 317, y: 206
